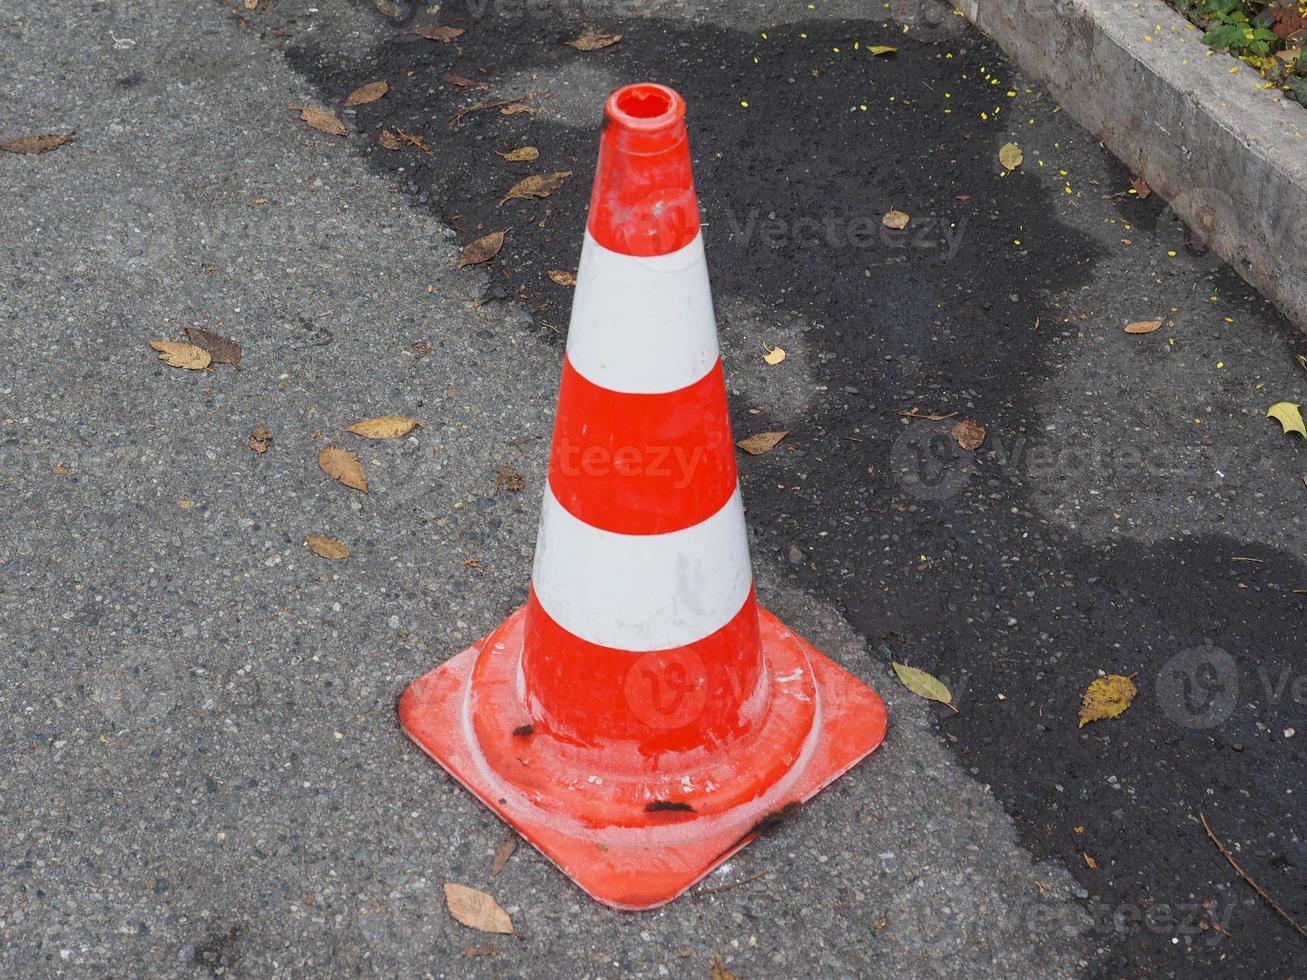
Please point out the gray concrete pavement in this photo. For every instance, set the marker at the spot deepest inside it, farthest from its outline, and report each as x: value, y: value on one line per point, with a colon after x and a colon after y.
x: 202, y: 770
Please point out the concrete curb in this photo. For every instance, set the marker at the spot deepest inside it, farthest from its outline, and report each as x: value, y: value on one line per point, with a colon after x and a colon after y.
x: 1229, y: 157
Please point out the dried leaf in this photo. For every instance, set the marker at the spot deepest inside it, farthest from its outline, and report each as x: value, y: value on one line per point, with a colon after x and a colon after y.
x: 476, y: 909
x: 969, y: 433
x: 895, y: 219
x: 1142, y: 190
x: 763, y: 442
x: 507, y: 478
x: 222, y: 349
x: 179, y: 355
x: 526, y: 153
x: 37, y: 144
x: 389, y: 8
x: 562, y: 277
x: 878, y: 49
x: 1106, y: 697
x: 439, y: 32
x: 592, y: 39
x: 389, y: 140
x: 718, y: 971
x: 367, y: 93
x: 1289, y: 417
x: 483, y: 249
x: 458, y: 80
x: 321, y: 120
x: 922, y: 684
x: 1142, y: 326
x: 325, y: 547
x: 537, y: 186
x: 1090, y: 863
x: 384, y: 427
x: 343, y: 467
x: 260, y: 439
x: 1010, y: 156
x: 513, y: 108
x: 773, y: 355
x: 502, y: 853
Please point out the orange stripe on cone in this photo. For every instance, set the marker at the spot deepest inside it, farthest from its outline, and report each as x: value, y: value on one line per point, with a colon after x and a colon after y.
x: 642, y: 715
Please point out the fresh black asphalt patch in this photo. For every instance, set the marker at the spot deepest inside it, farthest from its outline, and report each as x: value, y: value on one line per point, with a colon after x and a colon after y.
x: 941, y: 559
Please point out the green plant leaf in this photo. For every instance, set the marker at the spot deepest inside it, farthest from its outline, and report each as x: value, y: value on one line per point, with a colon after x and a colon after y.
x: 923, y: 685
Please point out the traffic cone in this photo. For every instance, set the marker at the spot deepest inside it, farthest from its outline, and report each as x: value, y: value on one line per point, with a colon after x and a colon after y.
x: 641, y: 718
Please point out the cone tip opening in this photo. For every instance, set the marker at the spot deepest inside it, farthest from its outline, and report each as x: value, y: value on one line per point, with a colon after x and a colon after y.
x: 645, y: 107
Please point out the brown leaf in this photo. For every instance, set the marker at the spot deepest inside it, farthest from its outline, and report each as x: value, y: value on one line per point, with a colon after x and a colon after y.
x: 513, y: 108
x: 222, y: 349
x: 459, y: 80
x: 389, y: 8
x: 763, y: 442
x: 895, y: 219
x: 718, y: 971
x: 384, y: 427
x: 251, y: 4
x: 367, y: 93
x: 480, y: 949
x: 37, y: 144
x: 592, y: 39
x: 969, y: 433
x: 502, y: 853
x: 483, y: 249
x: 343, y: 467
x: 509, y: 479
x: 1142, y: 190
x: 526, y: 153
x: 540, y: 185
x: 562, y: 277
x: 325, y: 547
x: 260, y: 439
x: 439, y: 32
x: 476, y: 909
x: 321, y: 120
x: 180, y: 355
x: 1143, y: 326
x: 1090, y: 863
x: 389, y: 140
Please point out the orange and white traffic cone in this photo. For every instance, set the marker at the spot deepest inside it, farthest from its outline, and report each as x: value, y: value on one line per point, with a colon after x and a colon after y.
x: 641, y: 716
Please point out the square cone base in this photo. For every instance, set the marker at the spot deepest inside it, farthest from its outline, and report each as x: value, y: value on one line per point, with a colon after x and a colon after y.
x: 641, y: 867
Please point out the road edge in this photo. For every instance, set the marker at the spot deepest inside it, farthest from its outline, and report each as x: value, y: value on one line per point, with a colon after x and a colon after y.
x: 1228, y: 156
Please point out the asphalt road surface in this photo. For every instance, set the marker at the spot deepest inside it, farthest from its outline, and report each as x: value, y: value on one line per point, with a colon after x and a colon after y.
x: 203, y: 773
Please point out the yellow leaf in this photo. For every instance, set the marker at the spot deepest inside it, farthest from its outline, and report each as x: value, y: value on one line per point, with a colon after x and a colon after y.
x: 1106, y: 697
x: 343, y: 467
x: 476, y: 909
x: 1289, y: 417
x: 483, y: 249
x: 1143, y: 326
x: 180, y: 355
x: 367, y: 93
x: 325, y: 547
x: 763, y: 442
x: 877, y: 49
x: 895, y: 219
x: 970, y: 434
x: 774, y: 355
x: 540, y: 185
x: 593, y: 40
x: 1010, y: 156
x: 522, y: 153
x: 562, y: 277
x: 922, y: 684
x: 321, y: 120
x: 384, y: 427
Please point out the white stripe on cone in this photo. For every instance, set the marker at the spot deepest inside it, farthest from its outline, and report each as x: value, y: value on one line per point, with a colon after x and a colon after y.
x: 642, y: 592
x: 642, y: 324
